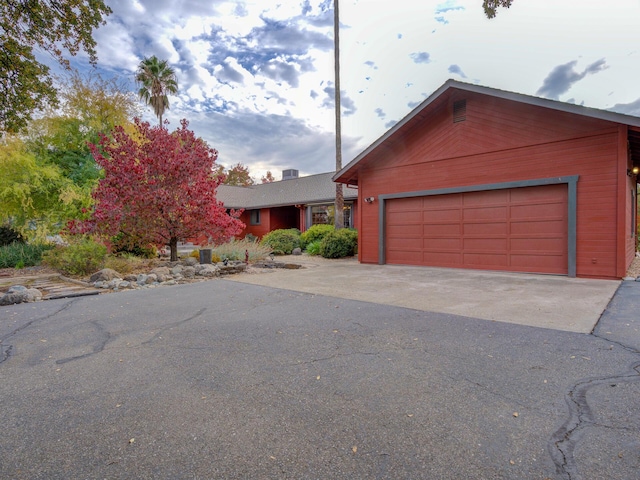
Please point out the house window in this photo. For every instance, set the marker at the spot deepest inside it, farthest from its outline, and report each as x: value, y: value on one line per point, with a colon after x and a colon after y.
x: 254, y: 217
x: 324, y: 214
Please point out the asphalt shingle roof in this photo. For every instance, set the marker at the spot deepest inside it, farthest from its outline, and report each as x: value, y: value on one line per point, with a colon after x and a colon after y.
x: 296, y: 191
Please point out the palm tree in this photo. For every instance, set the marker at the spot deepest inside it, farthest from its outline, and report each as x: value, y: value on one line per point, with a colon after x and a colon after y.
x: 339, y: 203
x: 156, y: 80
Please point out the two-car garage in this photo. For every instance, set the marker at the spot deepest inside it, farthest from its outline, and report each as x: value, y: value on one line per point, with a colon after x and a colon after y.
x: 480, y: 178
x: 516, y: 229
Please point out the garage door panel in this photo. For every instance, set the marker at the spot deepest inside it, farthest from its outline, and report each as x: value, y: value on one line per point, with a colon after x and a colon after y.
x: 485, y: 244
x: 519, y: 229
x: 442, y: 230
x: 409, y: 230
x: 485, y: 213
x: 403, y: 218
x: 541, y: 211
x: 485, y: 260
x: 441, y: 216
x: 442, y: 244
x: 442, y: 259
x: 557, y: 227
x: 537, y: 245
x: 540, y: 263
x: 485, y: 228
x: 405, y: 205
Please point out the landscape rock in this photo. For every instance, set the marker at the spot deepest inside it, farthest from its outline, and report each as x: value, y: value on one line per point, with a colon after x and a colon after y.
x: 297, y: 251
x: 190, y: 262
x: 142, y: 278
x: 161, y: 271
x: 20, y: 294
x: 105, y: 274
x: 151, y: 278
x: 177, y: 269
x: 189, y: 272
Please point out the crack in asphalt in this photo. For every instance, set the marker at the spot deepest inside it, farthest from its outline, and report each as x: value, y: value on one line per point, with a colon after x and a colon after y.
x: 104, y: 336
x: 6, y: 350
x: 172, y: 325
x: 565, y: 440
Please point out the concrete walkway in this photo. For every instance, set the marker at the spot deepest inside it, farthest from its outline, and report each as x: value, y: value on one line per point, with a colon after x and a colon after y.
x: 547, y: 301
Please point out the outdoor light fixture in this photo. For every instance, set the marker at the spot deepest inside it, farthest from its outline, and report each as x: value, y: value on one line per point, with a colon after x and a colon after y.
x: 369, y: 199
x: 634, y: 171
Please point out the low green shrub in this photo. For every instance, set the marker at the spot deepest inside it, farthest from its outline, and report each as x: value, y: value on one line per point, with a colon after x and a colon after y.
x: 83, y: 257
x: 8, y: 236
x: 315, y: 232
x: 314, y: 247
x: 338, y: 244
x: 20, y: 255
x: 235, y: 250
x: 283, y: 241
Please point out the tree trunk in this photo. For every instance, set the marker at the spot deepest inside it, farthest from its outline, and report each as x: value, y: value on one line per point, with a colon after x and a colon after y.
x: 173, y: 245
x: 339, y: 203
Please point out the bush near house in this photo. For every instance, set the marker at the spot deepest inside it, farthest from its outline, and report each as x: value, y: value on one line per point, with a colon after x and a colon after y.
x: 313, y: 248
x: 340, y: 243
x: 282, y: 242
x: 314, y: 233
x: 20, y: 255
x: 82, y: 257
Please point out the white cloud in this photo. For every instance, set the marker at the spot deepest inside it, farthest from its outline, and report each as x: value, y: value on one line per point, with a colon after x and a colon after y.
x: 256, y: 77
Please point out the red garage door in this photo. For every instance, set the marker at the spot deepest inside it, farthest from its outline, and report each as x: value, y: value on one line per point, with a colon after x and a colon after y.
x: 518, y: 229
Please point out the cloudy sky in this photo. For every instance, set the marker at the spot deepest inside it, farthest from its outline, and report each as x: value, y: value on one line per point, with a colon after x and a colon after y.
x: 256, y: 77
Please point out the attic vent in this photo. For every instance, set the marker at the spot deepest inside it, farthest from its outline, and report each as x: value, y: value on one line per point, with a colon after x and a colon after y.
x: 459, y: 111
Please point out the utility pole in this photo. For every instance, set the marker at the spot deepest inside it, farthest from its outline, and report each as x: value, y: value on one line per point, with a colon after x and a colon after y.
x: 339, y: 203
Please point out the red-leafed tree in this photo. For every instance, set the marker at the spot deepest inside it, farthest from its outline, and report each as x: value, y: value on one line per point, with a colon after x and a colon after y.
x: 159, y: 187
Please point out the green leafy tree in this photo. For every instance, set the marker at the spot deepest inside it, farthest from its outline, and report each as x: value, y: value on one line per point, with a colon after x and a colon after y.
x: 35, y: 197
x: 90, y: 106
x: 156, y: 79
x: 54, y: 27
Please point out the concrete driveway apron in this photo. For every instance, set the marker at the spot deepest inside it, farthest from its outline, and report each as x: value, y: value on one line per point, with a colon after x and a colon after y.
x: 548, y: 301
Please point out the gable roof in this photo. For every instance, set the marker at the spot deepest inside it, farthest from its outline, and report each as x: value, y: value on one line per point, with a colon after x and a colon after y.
x: 348, y: 174
x: 318, y: 188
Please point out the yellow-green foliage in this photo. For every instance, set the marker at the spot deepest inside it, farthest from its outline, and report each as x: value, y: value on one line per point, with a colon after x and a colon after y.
x: 214, y: 257
x: 283, y: 241
x: 82, y: 257
x: 125, y: 263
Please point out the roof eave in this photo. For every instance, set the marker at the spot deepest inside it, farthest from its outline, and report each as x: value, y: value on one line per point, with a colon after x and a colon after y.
x: 607, y: 115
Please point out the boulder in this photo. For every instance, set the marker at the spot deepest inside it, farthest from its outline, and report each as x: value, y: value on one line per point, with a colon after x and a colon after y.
x: 188, y: 272
x: 151, y: 278
x: 297, y: 251
x: 20, y: 294
x: 104, y: 275
x: 161, y: 271
x: 190, y: 262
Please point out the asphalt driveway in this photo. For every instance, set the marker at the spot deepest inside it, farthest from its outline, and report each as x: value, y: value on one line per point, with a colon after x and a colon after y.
x: 227, y: 380
x: 549, y: 301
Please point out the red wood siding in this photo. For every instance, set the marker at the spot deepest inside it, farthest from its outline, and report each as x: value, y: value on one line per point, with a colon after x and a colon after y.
x: 256, y: 230
x: 520, y: 229
x: 502, y: 141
